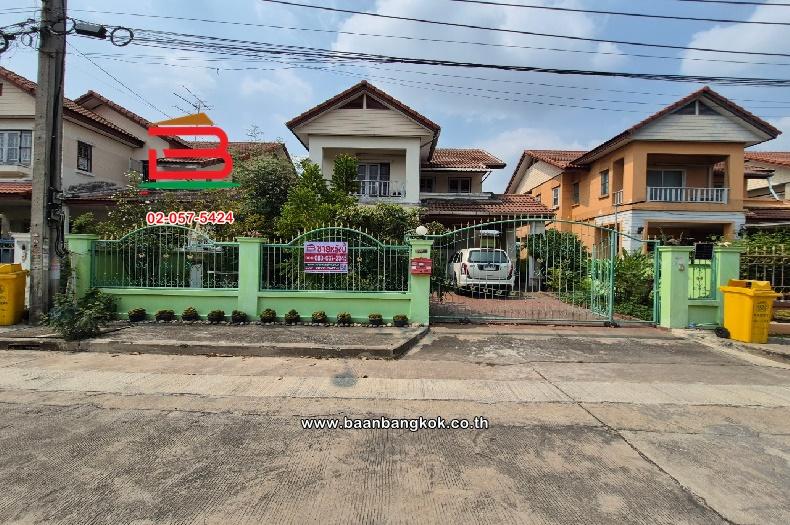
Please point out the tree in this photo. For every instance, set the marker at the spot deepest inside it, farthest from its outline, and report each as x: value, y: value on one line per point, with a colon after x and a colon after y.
x: 309, y: 204
x: 264, y: 183
x: 344, y: 176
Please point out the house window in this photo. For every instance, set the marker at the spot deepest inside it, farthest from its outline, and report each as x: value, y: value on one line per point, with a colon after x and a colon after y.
x: 459, y: 185
x: 555, y: 197
x: 605, y: 182
x: 374, y: 179
x: 537, y: 197
x: 426, y: 184
x: 696, y: 108
x: 576, y: 193
x: 664, y: 178
x: 84, y: 157
x: 16, y: 147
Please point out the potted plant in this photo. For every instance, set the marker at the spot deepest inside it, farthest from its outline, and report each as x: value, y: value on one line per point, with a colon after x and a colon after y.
x: 375, y: 319
x: 319, y: 317
x: 216, y: 316
x: 238, y: 317
x: 190, y: 315
x: 165, y: 315
x: 344, y: 319
x: 400, y: 320
x: 292, y: 317
x: 136, y: 315
x: 268, y: 316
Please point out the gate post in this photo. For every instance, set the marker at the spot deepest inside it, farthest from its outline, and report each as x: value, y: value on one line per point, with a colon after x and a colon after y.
x: 80, y: 248
x: 674, y: 286
x: 728, y: 266
x: 420, y: 285
x: 249, y: 274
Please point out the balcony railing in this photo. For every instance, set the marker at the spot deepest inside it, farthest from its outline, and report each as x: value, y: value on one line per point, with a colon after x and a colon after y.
x: 686, y: 194
x: 618, y: 198
x: 381, y: 189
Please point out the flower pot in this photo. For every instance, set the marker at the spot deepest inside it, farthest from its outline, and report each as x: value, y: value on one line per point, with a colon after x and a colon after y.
x: 376, y: 322
x: 400, y: 323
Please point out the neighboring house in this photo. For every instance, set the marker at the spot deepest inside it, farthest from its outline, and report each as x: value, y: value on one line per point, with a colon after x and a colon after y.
x: 777, y: 165
x: 399, y: 160
x: 680, y: 172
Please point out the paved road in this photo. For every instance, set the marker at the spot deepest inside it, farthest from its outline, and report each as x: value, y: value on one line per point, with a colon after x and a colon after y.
x: 586, y: 426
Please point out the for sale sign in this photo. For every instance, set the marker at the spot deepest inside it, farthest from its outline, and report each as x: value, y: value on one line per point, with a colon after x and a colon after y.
x: 326, y: 257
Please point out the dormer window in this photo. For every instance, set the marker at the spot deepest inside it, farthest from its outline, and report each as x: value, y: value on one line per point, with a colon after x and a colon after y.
x: 696, y: 108
x: 363, y: 101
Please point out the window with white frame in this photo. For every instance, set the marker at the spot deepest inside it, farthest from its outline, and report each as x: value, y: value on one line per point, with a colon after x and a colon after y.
x: 84, y: 156
x: 555, y: 197
x: 374, y: 179
x: 16, y: 147
x: 459, y: 185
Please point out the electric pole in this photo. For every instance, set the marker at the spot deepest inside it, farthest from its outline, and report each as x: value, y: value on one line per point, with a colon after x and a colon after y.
x: 45, y: 225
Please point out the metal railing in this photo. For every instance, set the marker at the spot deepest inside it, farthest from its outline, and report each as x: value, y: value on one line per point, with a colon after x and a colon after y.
x: 165, y: 257
x: 381, y: 189
x: 768, y: 263
x: 617, y: 198
x: 687, y: 194
x: 702, y: 277
x: 6, y: 250
x: 335, y: 259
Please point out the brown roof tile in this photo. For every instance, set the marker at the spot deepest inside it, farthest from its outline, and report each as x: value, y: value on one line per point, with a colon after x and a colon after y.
x: 463, y: 158
x: 23, y: 189
x: 71, y: 108
x: 246, y: 149
x: 498, y: 205
x: 779, y: 158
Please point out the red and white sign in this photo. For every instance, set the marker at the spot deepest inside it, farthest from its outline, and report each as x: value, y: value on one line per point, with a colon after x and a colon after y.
x: 325, y: 257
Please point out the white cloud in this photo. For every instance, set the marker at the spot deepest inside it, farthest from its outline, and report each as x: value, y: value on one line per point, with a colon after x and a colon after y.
x: 197, y: 76
x: 510, y: 144
x: 282, y: 83
x: 741, y: 37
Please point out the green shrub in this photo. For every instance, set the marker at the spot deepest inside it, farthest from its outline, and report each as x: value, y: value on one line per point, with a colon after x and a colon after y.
x: 292, y: 317
x: 81, y: 318
x: 375, y: 319
x: 238, y: 317
x: 216, y: 316
x: 319, y: 317
x: 165, y: 315
x: 190, y: 314
x: 400, y: 320
x: 344, y: 318
x: 268, y: 316
x: 136, y: 315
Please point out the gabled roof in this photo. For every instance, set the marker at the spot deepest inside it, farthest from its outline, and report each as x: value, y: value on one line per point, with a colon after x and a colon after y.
x: 777, y: 158
x: 72, y: 109
x: 463, y: 159
x: 88, y: 101
x: 722, y: 101
x: 559, y: 158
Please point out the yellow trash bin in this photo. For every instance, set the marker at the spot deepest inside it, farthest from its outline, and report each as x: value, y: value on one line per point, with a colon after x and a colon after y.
x: 747, y: 309
x: 12, y: 293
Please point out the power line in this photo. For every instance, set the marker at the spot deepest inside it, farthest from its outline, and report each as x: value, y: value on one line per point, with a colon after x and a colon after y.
x: 119, y: 82
x: 435, y: 40
x: 622, y: 13
x: 521, y: 32
x: 172, y: 40
x: 734, y: 2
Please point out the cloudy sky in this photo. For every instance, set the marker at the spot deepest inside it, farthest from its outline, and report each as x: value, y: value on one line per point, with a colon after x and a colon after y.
x: 503, y: 112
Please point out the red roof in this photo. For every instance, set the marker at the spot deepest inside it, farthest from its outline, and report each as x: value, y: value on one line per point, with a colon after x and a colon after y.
x: 497, y: 205
x: 463, y: 159
x: 245, y: 149
x: 731, y: 106
x: 779, y: 158
x: 72, y: 109
x: 87, y: 99
x: 560, y: 158
x: 21, y: 189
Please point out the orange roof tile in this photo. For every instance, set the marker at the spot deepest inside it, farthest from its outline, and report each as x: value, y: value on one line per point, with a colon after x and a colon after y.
x: 497, y: 205
x: 779, y: 158
x: 23, y: 189
x: 464, y: 159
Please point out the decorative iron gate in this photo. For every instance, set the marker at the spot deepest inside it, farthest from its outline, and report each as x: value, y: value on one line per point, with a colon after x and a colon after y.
x: 539, y: 270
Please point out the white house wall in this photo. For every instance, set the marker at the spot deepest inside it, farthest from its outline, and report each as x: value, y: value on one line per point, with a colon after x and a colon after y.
x: 364, y: 122
x: 703, y: 128
x: 536, y: 175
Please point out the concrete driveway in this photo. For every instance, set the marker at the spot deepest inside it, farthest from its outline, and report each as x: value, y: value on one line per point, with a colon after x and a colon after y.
x: 585, y: 426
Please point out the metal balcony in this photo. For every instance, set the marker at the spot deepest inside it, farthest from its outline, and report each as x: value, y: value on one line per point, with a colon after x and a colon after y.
x: 381, y: 189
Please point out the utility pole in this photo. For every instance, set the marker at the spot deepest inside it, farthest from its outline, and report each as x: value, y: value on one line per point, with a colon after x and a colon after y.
x: 46, y: 231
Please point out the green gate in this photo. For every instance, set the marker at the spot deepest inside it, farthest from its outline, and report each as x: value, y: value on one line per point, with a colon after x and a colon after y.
x: 537, y: 270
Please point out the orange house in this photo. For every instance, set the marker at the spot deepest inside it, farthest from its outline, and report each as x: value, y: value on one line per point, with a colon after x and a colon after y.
x: 678, y: 173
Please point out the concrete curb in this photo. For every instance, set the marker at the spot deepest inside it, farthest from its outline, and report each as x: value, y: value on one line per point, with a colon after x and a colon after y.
x: 218, y: 348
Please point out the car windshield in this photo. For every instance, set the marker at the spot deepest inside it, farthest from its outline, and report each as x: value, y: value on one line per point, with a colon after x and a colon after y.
x: 487, y: 256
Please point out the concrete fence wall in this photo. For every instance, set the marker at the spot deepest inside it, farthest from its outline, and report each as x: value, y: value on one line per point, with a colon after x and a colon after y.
x: 250, y: 299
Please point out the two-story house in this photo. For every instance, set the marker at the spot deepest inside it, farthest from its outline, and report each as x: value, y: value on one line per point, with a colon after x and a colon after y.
x: 678, y: 173
x: 399, y: 160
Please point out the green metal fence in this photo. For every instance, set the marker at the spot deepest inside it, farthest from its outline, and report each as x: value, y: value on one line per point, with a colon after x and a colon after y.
x: 165, y: 257
x: 768, y: 263
x: 702, y: 278
x: 335, y: 259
